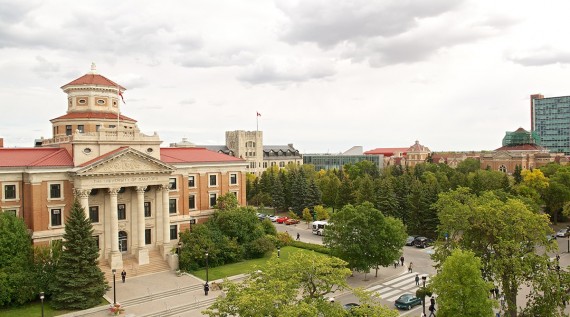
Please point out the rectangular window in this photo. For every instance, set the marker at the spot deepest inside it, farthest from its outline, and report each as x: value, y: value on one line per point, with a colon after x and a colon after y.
x: 9, y: 191
x: 147, y: 236
x: 147, y: 212
x: 233, y: 179
x: 213, y: 180
x: 94, y: 214
x: 264, y: 164
x: 54, y: 190
x: 97, y: 127
x: 122, y: 211
x: 11, y: 212
x: 173, y: 232
x: 191, y: 182
x: 192, y: 202
x: 55, y: 217
x: 67, y: 130
x: 81, y: 128
x: 213, y: 198
x: 172, y: 206
x: 96, y: 238
x: 172, y: 183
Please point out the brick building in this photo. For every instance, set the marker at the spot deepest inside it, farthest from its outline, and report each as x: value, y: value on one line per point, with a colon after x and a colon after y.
x: 138, y: 195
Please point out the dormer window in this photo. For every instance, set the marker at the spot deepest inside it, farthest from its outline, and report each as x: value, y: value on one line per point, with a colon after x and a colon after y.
x: 101, y: 102
x: 82, y: 101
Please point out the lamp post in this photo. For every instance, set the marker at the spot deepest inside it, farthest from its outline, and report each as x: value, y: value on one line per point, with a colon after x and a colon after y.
x: 278, y: 252
x: 206, y: 286
x: 569, y: 243
x: 424, y: 294
x: 114, y: 288
x: 192, y: 222
x: 42, y: 298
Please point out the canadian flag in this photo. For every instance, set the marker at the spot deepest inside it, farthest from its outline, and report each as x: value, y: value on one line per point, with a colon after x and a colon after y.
x: 258, y: 114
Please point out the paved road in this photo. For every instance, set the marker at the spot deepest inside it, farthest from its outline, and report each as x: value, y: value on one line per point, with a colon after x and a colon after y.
x: 301, y: 228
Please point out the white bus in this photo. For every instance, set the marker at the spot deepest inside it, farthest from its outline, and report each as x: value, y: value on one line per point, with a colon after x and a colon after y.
x: 319, y: 227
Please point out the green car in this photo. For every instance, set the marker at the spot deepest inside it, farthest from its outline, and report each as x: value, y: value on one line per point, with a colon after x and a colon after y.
x: 407, y: 301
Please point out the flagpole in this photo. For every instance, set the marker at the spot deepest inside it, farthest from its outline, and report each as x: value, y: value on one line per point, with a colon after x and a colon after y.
x: 256, y: 123
x: 118, y: 110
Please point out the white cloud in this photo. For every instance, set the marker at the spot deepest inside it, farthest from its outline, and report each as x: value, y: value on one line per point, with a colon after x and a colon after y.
x: 274, y: 70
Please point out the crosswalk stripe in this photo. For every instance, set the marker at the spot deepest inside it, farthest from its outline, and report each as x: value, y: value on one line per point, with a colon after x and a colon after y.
x: 405, y: 276
x: 408, y: 287
x: 384, y: 290
x: 411, y: 281
x: 390, y: 293
x: 373, y: 288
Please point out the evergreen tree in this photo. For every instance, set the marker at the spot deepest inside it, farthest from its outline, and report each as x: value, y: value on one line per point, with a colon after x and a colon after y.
x: 365, y: 191
x: 284, y: 178
x: 517, y: 174
x: 346, y: 194
x: 16, y: 280
x: 79, y: 282
x: 298, y: 192
x: 314, y: 195
x: 277, y: 195
x: 386, y: 200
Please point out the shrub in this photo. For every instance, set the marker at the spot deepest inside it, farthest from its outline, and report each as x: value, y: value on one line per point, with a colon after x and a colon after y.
x: 259, y: 247
x: 268, y: 227
x: 309, y: 246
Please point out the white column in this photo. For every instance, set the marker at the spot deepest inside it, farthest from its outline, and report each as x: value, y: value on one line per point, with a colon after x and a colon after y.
x: 83, y: 195
x: 165, y: 219
x: 142, y: 253
x: 116, y: 258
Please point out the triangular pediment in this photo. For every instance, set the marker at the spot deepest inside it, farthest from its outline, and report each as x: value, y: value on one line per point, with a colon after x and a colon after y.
x: 126, y: 162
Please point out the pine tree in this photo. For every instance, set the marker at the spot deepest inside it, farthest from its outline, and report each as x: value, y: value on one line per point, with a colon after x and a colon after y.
x: 386, y: 200
x: 314, y: 196
x: 79, y: 282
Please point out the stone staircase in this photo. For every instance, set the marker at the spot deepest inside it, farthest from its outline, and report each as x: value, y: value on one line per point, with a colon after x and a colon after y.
x: 156, y: 264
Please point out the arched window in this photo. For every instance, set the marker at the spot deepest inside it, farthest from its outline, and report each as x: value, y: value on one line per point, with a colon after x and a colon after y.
x: 503, y: 168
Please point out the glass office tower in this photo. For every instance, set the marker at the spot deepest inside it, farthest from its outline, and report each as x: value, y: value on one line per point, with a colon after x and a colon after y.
x: 550, y: 120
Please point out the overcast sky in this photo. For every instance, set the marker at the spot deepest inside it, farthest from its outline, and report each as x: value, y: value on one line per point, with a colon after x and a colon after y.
x: 325, y: 75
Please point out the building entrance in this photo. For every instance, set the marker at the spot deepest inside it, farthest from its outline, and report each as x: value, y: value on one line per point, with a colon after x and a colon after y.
x: 123, y: 241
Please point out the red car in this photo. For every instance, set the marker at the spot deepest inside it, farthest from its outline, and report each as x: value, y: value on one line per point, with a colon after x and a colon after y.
x: 282, y: 219
x: 292, y: 221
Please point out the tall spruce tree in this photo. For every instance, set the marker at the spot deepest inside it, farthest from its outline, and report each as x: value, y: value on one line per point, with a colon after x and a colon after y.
x: 79, y: 282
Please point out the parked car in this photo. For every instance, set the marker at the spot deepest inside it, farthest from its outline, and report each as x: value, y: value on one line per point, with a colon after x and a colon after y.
x: 563, y: 233
x: 422, y: 242
x: 273, y: 218
x: 291, y: 221
x: 407, y: 301
x: 281, y: 219
x: 410, y: 240
x: 348, y: 307
x: 551, y: 237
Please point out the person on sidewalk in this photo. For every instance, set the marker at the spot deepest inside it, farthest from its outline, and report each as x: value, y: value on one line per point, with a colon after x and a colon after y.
x: 298, y: 236
x: 431, y: 311
x: 123, y: 275
x: 402, y: 260
x: 410, y: 267
x: 417, y: 280
x: 206, y: 289
x: 396, y: 263
x: 432, y: 301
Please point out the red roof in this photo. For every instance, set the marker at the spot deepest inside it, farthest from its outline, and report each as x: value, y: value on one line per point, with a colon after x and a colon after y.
x: 37, y: 157
x: 388, y: 151
x: 175, y: 155
x: 94, y: 115
x: 523, y: 147
x: 93, y: 79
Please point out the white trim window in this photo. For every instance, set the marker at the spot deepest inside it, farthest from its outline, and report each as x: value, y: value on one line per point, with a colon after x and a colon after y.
x: 192, y: 201
x: 172, y: 184
x: 56, y: 217
x: 191, y: 181
x: 172, y: 206
x: 55, y: 191
x: 233, y: 179
x: 10, y: 192
x: 213, y: 198
x: 11, y: 210
x: 212, y: 180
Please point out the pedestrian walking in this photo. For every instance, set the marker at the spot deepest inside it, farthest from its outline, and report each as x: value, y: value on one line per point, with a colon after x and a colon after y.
x: 417, y: 280
x: 496, y: 292
x: 206, y: 289
x: 410, y: 267
x: 558, y: 258
x: 298, y: 236
x: 396, y: 263
x: 402, y: 260
x: 493, y: 292
x: 431, y: 310
x: 123, y: 275
x: 432, y: 301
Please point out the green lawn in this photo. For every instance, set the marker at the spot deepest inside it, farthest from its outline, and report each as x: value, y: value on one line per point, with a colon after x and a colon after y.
x: 35, y: 309
x: 248, y: 266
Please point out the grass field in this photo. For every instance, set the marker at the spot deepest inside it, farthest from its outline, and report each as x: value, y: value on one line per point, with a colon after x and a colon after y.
x: 248, y: 266
x: 35, y: 309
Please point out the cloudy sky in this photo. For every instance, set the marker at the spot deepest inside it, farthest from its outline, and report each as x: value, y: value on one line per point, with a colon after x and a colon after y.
x: 325, y: 75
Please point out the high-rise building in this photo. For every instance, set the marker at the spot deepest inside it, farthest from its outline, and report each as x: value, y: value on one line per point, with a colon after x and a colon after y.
x: 550, y: 121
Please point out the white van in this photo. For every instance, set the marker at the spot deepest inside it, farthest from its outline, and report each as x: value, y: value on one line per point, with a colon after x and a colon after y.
x: 319, y: 227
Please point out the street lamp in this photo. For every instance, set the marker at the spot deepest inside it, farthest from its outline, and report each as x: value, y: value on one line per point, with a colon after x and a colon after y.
x: 278, y: 252
x: 114, y: 288
x: 569, y: 243
x: 42, y: 298
x: 192, y: 222
x: 206, y: 286
x: 424, y: 294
